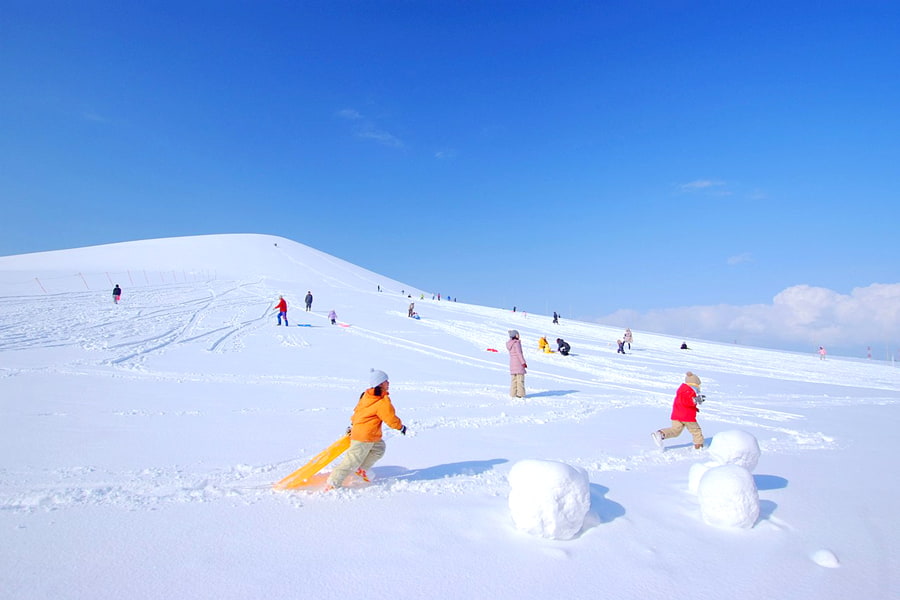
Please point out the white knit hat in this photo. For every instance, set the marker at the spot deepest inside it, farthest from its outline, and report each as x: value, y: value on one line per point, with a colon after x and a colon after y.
x: 376, y: 377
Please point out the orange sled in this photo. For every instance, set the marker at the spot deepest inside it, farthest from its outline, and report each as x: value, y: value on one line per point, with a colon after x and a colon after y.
x: 321, y: 460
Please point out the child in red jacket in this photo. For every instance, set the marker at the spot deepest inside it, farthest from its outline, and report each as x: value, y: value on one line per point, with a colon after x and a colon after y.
x: 684, y: 413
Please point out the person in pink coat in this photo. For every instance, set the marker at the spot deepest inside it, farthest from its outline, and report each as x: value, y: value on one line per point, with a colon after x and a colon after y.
x: 684, y: 413
x: 517, y: 365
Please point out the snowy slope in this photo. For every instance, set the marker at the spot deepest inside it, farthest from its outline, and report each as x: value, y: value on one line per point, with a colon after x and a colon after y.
x: 139, y: 441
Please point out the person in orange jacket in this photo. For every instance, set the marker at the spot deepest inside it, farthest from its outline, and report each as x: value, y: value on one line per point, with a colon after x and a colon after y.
x: 684, y: 413
x: 366, y: 446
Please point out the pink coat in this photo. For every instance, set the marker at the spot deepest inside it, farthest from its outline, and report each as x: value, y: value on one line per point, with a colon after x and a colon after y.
x: 516, y: 358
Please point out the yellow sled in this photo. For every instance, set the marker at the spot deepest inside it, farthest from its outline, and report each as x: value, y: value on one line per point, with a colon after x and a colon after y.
x: 321, y: 460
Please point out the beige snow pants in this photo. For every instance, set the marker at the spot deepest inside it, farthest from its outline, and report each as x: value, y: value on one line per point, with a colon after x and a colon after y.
x: 679, y: 426
x: 360, y: 455
x: 517, y: 385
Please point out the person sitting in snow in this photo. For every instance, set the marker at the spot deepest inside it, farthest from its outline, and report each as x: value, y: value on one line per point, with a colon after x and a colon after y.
x: 366, y: 446
x: 684, y: 413
x: 544, y: 345
x: 563, y: 346
x: 332, y: 316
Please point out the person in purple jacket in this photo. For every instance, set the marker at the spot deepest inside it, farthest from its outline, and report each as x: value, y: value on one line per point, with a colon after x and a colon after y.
x: 517, y: 365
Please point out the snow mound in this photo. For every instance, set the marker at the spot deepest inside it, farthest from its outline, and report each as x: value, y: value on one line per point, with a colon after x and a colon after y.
x: 825, y: 558
x: 735, y: 447
x: 549, y: 499
x: 728, y: 497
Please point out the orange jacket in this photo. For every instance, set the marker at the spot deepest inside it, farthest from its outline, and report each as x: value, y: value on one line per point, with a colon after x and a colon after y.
x: 369, y: 414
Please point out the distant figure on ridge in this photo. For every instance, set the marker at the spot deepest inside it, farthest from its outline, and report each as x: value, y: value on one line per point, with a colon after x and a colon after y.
x: 332, y: 316
x: 281, y: 307
x: 117, y: 293
x: 555, y: 318
x: 822, y: 353
x: 684, y: 346
x: 628, y: 337
x: 684, y: 413
x: 564, y: 347
x: 517, y: 365
x: 308, y: 301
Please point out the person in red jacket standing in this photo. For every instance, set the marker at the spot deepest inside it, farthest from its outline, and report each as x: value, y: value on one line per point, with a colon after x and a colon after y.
x: 281, y: 307
x: 684, y: 413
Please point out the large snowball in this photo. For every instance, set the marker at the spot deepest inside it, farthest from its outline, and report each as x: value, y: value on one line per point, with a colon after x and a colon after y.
x: 735, y: 447
x: 728, y: 497
x: 548, y: 498
x: 698, y: 470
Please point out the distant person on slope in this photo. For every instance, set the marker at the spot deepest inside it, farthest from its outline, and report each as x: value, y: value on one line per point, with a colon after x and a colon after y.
x: 366, y: 446
x: 555, y: 318
x: 308, y: 301
x: 822, y: 353
x: 412, y: 309
x: 621, y: 344
x: 281, y: 307
x: 117, y: 293
x: 517, y: 365
x: 684, y: 413
x: 332, y: 316
x: 628, y: 337
x: 564, y: 347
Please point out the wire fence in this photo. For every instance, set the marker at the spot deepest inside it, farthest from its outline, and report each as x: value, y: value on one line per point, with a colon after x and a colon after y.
x: 14, y: 284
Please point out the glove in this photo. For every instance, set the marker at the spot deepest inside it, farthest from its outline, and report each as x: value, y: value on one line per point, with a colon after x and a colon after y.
x: 524, y: 365
x: 348, y: 430
x: 700, y: 399
x: 403, y: 430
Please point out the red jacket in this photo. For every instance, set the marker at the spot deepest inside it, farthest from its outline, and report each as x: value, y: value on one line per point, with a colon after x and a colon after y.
x: 684, y: 409
x: 282, y: 306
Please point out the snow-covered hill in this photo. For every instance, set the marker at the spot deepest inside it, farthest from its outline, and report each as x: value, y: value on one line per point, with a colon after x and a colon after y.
x: 139, y: 441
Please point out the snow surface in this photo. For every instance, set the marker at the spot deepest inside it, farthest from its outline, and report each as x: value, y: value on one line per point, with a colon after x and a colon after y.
x: 139, y: 442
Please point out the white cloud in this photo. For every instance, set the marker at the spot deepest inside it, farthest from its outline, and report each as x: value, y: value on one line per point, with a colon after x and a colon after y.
x: 701, y: 185
x: 382, y: 137
x: 744, y: 257
x: 350, y: 114
x: 367, y: 129
x: 800, y: 317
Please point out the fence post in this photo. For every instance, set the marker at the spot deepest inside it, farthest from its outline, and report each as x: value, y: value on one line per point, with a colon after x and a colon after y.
x: 40, y: 284
x: 85, y: 281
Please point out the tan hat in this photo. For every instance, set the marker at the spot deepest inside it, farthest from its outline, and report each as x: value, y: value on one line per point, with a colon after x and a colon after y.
x: 692, y: 380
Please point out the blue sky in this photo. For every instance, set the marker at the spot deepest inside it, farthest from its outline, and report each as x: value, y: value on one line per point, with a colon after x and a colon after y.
x: 631, y: 161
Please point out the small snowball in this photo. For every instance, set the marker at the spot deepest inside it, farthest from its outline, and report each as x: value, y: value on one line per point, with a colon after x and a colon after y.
x: 728, y: 497
x: 735, y: 447
x: 825, y: 558
x: 698, y: 470
x: 548, y: 498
